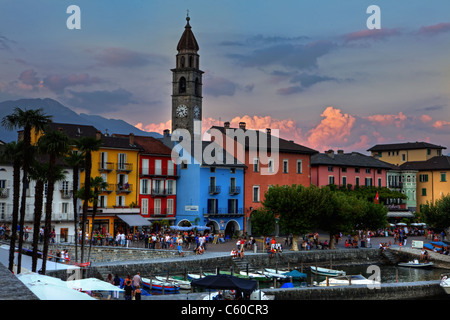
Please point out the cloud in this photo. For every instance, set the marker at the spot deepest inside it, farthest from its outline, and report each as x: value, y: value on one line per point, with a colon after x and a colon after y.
x: 120, y: 57
x: 57, y: 83
x: 101, y: 101
x: 29, y: 80
x: 374, y: 34
x: 425, y: 118
x: 5, y: 43
x: 220, y: 86
x: 300, y: 56
x: 399, y: 120
x: 440, y: 124
x: 434, y: 29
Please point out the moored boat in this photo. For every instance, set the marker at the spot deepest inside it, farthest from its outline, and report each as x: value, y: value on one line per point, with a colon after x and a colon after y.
x: 255, y: 276
x: 327, y: 272
x: 160, y: 285
x: 183, y: 284
x: 348, y: 280
x: 416, y: 264
x: 445, y: 284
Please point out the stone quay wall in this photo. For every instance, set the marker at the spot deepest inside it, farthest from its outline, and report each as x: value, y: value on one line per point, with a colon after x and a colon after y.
x: 387, y: 291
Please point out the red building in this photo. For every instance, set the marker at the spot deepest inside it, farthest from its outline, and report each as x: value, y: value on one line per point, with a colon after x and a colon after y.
x: 157, y: 180
x: 287, y: 164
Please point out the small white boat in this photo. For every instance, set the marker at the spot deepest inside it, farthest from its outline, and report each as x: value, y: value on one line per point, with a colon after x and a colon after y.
x: 348, y: 280
x: 183, y: 284
x: 416, y: 264
x: 327, y: 272
x: 273, y: 275
x: 445, y: 284
x: 228, y: 295
x: 255, y: 276
x: 160, y: 285
x: 194, y: 276
x: 276, y: 271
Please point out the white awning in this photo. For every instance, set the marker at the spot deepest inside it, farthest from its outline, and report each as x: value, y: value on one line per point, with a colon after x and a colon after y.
x: 400, y: 214
x: 134, y: 220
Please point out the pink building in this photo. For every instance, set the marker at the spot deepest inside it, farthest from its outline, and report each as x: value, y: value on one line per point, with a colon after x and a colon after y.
x: 347, y: 169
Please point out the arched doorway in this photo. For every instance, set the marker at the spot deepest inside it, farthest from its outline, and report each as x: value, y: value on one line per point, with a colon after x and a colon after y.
x: 231, y: 228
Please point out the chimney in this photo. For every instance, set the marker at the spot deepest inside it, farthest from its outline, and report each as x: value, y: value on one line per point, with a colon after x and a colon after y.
x: 226, y: 125
x: 166, y: 133
x: 340, y: 151
x: 330, y: 153
x: 242, y: 125
x: 131, y: 138
x: 98, y: 135
x: 268, y: 131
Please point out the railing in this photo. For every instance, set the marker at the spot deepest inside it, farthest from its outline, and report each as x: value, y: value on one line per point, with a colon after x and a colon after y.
x: 229, y: 211
x: 105, y: 166
x: 4, y: 193
x: 124, y: 167
x: 214, y: 189
x: 124, y: 188
x: 66, y: 194
x: 161, y: 212
x: 235, y: 190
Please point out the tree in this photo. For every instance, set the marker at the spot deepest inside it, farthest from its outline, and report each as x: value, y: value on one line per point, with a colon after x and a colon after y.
x: 13, y: 152
x: 38, y: 172
x: 75, y: 160
x: 297, y: 207
x: 263, y: 222
x: 26, y: 119
x: 87, y: 145
x: 55, y: 143
x: 98, y: 186
x: 437, y: 214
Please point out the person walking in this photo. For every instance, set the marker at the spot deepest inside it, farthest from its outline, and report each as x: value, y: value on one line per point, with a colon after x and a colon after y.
x: 116, y: 282
x: 128, y: 288
x: 137, y: 280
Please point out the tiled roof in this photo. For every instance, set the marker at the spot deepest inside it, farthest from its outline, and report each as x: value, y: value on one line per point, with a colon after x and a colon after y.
x: 435, y: 163
x: 287, y: 146
x: 187, y: 40
x: 74, y: 131
x: 149, y: 145
x: 353, y: 159
x: 405, y: 146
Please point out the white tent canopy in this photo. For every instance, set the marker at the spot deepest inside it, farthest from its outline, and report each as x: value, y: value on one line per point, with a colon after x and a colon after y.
x: 92, y: 284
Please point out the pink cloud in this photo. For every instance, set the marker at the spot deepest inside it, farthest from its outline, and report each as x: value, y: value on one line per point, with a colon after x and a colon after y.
x: 440, y: 124
x: 388, y: 119
x: 375, y: 34
x: 434, y: 29
x: 425, y: 118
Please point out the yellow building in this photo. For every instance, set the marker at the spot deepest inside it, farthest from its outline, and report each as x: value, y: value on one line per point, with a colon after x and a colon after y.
x: 433, y: 178
x: 399, y: 153
x: 117, y: 163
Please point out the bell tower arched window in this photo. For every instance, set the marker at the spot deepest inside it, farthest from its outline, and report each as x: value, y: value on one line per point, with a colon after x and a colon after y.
x: 182, y: 85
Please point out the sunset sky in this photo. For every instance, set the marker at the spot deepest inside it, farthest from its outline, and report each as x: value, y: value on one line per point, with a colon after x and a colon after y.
x: 311, y: 69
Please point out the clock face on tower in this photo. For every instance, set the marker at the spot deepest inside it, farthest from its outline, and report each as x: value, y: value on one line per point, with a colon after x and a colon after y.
x: 196, y: 112
x: 182, y: 111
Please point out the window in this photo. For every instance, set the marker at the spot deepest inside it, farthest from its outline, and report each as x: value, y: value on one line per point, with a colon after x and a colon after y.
x: 379, y: 182
x: 2, y: 210
x: 145, y: 186
x: 443, y: 177
x: 330, y: 169
x: 157, y: 206
x: 170, y: 168
x: 144, y: 206
x: 103, y: 160
x: 330, y: 179
x: 233, y: 170
x: 122, y: 160
x: 232, y: 205
x: 285, y: 166
x: 255, y: 193
x: 64, y: 187
x: 256, y: 165
x: 213, y: 206
x: 357, y: 181
x: 65, y: 207
x: 182, y: 85
x: 367, y: 170
x: 356, y: 170
x: 403, y: 157
x: 184, y: 164
x: 120, y: 201
x: 158, y: 167
x: 271, y: 166
x: 157, y: 186
x: 170, y: 187
x: 378, y: 171
x: 344, y: 181
x: 145, y: 166
x: 428, y: 151
x: 368, y: 182
x: 103, y: 201
x: 423, y: 177
x: 344, y: 169
x: 170, y: 206
x: 212, y: 169
x: 424, y: 191
x: 299, y: 166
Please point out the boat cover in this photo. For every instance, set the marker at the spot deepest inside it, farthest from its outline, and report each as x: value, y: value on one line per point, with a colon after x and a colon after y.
x: 295, y: 274
x: 226, y: 282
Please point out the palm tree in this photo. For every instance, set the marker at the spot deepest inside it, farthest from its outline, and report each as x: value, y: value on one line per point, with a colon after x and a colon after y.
x: 13, y: 152
x: 87, y: 145
x: 75, y: 160
x: 26, y: 119
x: 56, y: 144
x: 98, y: 185
x: 39, y: 173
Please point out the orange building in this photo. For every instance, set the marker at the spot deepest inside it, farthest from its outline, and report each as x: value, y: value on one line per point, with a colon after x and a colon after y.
x: 269, y: 161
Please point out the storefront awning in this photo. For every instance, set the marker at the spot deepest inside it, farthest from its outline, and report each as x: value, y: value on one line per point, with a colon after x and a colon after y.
x: 400, y: 214
x: 134, y: 220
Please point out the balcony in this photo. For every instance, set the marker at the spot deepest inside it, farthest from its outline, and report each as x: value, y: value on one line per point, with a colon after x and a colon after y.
x: 66, y: 194
x: 4, y: 193
x: 124, y: 188
x: 124, y: 167
x: 235, y: 190
x: 108, y: 189
x: 151, y: 172
x: 158, y: 212
x: 159, y: 193
x: 214, y: 189
x: 223, y: 212
x: 105, y: 166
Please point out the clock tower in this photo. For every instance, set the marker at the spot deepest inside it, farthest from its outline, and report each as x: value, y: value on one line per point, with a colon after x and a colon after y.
x: 187, y: 85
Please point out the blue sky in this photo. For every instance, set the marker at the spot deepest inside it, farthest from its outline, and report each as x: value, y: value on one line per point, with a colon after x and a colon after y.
x: 311, y: 69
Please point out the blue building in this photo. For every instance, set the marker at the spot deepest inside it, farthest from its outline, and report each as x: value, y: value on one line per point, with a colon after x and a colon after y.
x: 210, y: 194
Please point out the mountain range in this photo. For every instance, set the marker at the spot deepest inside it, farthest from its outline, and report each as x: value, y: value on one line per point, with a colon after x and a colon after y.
x: 63, y: 114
